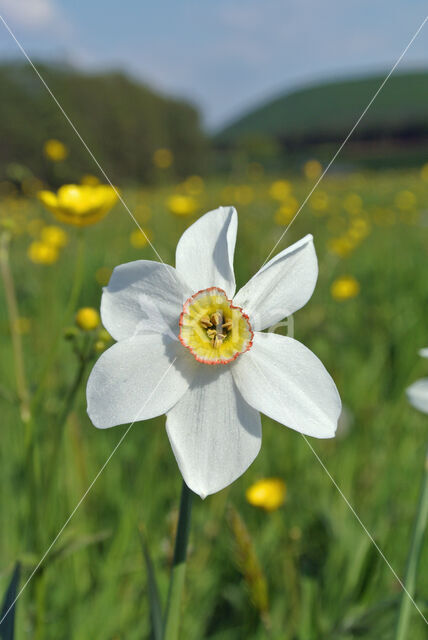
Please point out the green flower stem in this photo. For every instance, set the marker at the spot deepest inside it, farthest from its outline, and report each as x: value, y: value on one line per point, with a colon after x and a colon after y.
x: 78, y: 274
x: 179, y: 565
x: 71, y: 307
x: 13, y: 313
x: 406, y: 605
x: 306, y: 617
x: 69, y: 402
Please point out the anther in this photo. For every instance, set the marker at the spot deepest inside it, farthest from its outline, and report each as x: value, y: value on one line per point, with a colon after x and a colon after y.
x: 216, y: 319
x: 205, y: 322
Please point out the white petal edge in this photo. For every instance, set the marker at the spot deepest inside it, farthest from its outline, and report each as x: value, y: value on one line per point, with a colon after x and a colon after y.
x: 282, y: 286
x: 214, y: 433
x: 283, y: 379
x: 204, y: 256
x: 143, y: 296
x: 423, y: 352
x: 417, y: 394
x: 138, y: 379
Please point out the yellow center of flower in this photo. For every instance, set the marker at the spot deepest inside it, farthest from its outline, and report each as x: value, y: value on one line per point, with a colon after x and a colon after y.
x: 215, y: 331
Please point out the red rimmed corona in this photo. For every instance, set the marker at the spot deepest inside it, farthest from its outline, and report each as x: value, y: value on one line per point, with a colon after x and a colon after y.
x: 213, y: 329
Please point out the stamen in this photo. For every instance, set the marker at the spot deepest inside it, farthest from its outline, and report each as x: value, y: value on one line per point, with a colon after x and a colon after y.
x: 216, y: 318
x: 205, y: 322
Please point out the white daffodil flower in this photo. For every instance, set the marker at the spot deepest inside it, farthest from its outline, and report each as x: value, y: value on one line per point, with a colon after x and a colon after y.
x: 189, y: 347
x: 417, y: 393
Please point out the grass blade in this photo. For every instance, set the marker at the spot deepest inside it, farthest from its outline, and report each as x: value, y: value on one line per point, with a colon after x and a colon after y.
x: 155, y: 605
x: 7, y: 627
x: 413, y: 560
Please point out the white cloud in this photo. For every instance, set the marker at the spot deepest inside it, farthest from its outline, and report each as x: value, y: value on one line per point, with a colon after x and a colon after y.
x: 30, y: 14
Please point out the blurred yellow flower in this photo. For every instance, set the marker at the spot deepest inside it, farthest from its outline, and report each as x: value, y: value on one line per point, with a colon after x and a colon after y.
x: 79, y: 205
x: 360, y: 228
x: 162, y: 158
x: 55, y: 150
x: 353, y: 203
x: 42, y: 253
x: 345, y: 288
x: 87, y: 318
x: 341, y: 246
x: 194, y: 185
x: 138, y: 239
x: 268, y: 494
x: 181, y: 205
x: 244, y: 194
x: 55, y: 236
x: 280, y: 189
x: 319, y: 201
x: 102, y: 275
x: 286, y: 211
x: 90, y: 180
x: 312, y: 169
x: 104, y: 335
x: 424, y: 172
x: 405, y: 200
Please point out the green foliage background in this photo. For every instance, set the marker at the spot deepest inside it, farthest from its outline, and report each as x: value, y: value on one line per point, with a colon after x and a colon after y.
x: 324, y: 579
x: 122, y: 121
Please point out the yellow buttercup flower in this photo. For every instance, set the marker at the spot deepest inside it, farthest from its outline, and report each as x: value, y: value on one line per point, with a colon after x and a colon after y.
x: 424, y: 172
x: 353, y: 203
x: 89, y: 179
x: 405, y: 200
x: 181, y: 205
x: 319, y: 201
x: 341, y: 246
x: 138, y: 239
x: 87, y: 318
x: 280, y: 189
x: 55, y: 150
x: 287, y: 210
x: 79, y: 205
x: 42, y: 253
x: 345, y: 288
x: 194, y: 185
x: 163, y: 158
x: 54, y: 236
x: 268, y: 494
x: 312, y: 169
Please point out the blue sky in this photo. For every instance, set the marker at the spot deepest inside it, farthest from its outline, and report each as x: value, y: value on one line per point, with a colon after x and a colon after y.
x: 225, y: 55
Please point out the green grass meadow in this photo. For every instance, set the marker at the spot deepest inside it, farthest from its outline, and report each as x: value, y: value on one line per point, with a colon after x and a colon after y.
x: 307, y: 571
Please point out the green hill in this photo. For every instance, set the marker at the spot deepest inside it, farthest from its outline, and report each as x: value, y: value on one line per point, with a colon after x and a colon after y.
x: 122, y: 121
x: 326, y: 112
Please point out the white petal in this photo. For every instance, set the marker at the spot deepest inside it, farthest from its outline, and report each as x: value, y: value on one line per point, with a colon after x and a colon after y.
x: 282, y: 286
x: 214, y: 434
x: 417, y: 394
x: 283, y: 379
x: 142, y: 296
x: 423, y: 353
x: 138, y: 379
x: 204, y: 256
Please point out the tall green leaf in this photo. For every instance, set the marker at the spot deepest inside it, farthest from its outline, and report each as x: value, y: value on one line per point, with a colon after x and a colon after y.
x: 7, y: 616
x: 155, y: 605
